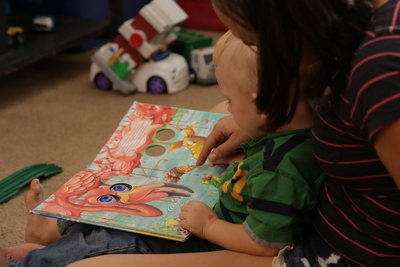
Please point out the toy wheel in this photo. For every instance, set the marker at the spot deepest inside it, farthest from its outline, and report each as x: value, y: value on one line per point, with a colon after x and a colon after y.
x: 20, y: 38
x: 192, y: 76
x: 10, y: 40
x: 156, y: 85
x: 102, y: 82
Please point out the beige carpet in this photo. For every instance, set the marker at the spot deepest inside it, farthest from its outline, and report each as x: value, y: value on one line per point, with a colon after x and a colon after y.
x: 51, y: 113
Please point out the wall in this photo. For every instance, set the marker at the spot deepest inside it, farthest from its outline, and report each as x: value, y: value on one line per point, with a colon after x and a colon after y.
x: 88, y: 9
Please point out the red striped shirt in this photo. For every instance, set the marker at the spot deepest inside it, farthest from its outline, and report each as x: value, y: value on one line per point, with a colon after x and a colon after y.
x: 359, y: 208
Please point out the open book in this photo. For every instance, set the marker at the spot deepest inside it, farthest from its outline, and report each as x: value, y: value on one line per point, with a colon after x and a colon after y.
x: 143, y: 175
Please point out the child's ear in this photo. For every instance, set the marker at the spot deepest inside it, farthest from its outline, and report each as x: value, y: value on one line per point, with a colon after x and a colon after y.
x: 263, y: 116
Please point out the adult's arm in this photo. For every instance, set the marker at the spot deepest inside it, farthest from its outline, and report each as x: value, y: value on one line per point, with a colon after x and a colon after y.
x: 199, y: 259
x: 223, y: 144
x: 387, y: 146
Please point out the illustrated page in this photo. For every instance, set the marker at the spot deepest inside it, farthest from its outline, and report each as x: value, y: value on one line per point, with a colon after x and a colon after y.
x: 143, y: 175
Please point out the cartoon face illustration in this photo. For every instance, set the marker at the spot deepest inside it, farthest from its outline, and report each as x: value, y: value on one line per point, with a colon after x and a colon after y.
x: 122, y: 197
x: 122, y: 194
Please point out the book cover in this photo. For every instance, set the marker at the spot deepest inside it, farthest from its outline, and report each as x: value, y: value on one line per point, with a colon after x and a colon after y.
x: 143, y: 175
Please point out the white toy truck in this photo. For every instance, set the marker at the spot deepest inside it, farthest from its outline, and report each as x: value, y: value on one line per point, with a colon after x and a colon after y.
x: 139, y: 53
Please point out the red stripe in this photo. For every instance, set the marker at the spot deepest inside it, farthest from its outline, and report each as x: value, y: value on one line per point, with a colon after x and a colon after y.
x: 373, y: 133
x: 353, y: 242
x: 372, y: 34
x: 386, y: 243
x: 342, y: 235
x: 380, y: 77
x: 377, y: 105
x: 366, y: 215
x: 345, y: 100
x: 336, y: 145
x: 338, y: 209
x: 379, y: 39
x: 396, y: 12
x: 348, y: 162
x: 343, y: 121
x: 341, y: 253
x: 380, y: 188
x: 340, y: 131
x: 369, y: 58
x: 364, y: 177
x: 374, y: 223
x: 381, y: 206
x: 370, y: 220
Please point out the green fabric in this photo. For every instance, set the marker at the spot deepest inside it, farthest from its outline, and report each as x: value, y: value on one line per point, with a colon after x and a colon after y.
x: 273, y: 189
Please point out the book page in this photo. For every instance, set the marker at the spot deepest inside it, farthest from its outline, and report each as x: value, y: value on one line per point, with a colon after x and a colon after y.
x: 143, y: 175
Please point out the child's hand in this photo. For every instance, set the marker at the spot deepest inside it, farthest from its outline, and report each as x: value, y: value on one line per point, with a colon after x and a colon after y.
x: 197, y: 217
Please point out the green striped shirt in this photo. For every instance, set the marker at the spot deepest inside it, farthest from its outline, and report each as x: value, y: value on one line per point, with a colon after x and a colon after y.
x: 273, y: 189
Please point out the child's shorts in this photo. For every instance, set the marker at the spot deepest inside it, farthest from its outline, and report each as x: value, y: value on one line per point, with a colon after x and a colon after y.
x: 80, y: 241
x: 309, y: 250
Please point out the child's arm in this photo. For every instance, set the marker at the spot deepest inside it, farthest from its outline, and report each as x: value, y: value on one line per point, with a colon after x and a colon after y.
x: 203, y: 222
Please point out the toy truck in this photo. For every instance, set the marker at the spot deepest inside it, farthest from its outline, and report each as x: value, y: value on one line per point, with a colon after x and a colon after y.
x: 15, y: 35
x: 197, y: 49
x: 143, y: 40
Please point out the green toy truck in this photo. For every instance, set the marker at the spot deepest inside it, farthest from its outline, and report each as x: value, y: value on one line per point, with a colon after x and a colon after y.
x: 197, y: 49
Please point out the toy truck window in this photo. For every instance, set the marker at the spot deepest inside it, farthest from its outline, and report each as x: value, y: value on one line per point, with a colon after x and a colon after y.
x: 208, y: 58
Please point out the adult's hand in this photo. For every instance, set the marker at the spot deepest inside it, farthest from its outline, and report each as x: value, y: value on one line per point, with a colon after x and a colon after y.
x: 223, y: 144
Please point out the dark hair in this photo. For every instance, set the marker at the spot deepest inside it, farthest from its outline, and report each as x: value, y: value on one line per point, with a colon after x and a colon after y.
x: 333, y: 28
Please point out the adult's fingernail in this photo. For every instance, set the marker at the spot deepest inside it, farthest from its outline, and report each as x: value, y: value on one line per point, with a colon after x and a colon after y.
x: 212, y: 157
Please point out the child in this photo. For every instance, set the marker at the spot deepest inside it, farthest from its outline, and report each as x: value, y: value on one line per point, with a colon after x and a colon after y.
x: 265, y: 198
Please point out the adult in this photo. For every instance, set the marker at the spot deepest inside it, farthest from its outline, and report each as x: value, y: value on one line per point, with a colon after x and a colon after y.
x: 356, y: 126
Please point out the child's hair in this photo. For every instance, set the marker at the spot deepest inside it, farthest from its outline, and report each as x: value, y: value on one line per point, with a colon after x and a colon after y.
x: 221, y: 44
x: 333, y: 28
x: 242, y: 54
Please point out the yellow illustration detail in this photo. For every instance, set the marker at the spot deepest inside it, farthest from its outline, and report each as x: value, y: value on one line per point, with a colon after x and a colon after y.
x: 170, y: 221
x: 191, y: 141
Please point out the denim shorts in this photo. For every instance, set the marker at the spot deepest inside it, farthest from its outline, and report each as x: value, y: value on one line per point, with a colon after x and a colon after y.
x: 309, y: 250
x: 81, y: 241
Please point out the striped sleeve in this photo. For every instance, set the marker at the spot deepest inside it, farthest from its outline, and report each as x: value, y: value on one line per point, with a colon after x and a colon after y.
x: 377, y: 76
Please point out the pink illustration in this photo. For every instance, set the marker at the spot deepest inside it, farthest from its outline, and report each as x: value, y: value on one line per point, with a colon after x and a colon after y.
x: 132, y: 137
x: 119, y: 197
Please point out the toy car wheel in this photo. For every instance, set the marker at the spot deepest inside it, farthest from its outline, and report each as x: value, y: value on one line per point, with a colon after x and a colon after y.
x: 192, y: 76
x: 20, y: 38
x: 10, y: 40
x: 102, y: 82
x: 156, y: 85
